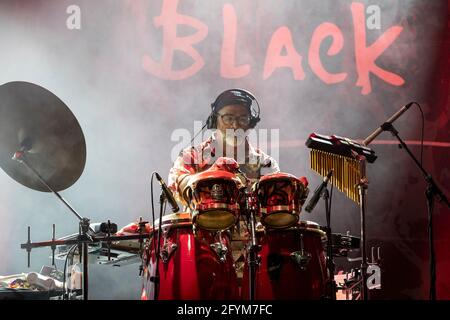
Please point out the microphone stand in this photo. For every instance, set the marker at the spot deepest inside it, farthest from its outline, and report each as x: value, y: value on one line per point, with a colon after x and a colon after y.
x: 253, y: 247
x: 431, y: 192
x: 155, y: 278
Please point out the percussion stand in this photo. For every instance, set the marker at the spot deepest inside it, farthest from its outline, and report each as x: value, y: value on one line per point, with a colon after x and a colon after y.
x: 253, y: 248
x: 362, y: 189
x: 331, y: 285
x: 84, y: 226
x: 431, y: 192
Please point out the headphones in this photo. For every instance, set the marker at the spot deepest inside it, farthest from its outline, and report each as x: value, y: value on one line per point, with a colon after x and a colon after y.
x: 241, y: 96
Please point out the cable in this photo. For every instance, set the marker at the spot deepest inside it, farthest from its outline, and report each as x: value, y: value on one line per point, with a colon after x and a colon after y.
x: 331, y: 198
x: 200, y: 131
x: 156, y: 244
x: 65, y: 268
x: 152, y: 199
x: 423, y: 127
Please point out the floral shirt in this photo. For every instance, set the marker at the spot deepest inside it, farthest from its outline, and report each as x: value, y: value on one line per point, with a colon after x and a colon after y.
x: 193, y: 160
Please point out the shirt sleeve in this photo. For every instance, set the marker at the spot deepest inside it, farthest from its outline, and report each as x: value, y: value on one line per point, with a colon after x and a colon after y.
x: 178, y: 169
x: 268, y: 165
x: 187, y: 163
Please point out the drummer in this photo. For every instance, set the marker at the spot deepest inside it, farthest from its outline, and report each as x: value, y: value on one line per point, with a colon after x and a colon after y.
x: 231, y: 118
x: 233, y: 114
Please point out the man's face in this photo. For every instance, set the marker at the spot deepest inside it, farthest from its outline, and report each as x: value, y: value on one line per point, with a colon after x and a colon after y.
x: 233, y: 116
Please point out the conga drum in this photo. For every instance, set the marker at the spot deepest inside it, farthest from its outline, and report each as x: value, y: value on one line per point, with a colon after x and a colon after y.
x: 193, y: 265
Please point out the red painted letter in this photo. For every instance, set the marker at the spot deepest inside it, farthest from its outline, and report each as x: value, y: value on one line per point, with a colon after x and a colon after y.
x: 227, y: 65
x: 169, y: 19
x: 323, y: 31
x: 282, y: 38
x: 366, y: 56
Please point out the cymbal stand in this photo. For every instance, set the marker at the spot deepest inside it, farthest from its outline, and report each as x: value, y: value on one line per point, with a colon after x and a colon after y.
x: 84, y: 226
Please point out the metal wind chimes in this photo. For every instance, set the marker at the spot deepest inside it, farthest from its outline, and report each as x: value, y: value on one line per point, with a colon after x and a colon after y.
x: 346, y: 157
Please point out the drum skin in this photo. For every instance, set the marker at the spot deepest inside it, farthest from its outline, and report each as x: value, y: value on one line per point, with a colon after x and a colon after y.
x: 193, y: 271
x: 278, y: 277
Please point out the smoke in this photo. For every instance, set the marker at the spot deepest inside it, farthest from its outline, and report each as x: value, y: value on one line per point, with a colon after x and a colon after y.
x: 127, y: 114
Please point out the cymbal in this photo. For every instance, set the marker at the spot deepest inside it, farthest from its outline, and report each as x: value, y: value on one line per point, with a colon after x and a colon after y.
x: 32, y: 116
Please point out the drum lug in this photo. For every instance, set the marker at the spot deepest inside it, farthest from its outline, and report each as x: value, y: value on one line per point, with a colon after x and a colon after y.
x: 302, y: 257
x: 167, y: 250
x: 220, y: 248
x: 168, y: 247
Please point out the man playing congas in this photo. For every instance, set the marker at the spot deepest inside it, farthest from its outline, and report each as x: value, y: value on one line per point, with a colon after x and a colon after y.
x: 199, y: 176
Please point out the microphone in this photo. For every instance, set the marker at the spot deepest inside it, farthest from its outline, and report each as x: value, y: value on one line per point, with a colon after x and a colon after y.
x: 168, y: 193
x: 379, y: 130
x: 318, y: 192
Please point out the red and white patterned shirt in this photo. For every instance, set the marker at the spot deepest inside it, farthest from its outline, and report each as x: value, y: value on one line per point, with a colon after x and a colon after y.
x: 193, y: 160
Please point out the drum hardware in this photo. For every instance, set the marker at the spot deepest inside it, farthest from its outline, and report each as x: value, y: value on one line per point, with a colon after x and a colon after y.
x: 302, y: 257
x: 77, y: 242
x: 168, y: 246
x: 351, y: 285
x: 342, y: 244
x: 253, y: 260
x: 141, y: 228
x: 220, y: 248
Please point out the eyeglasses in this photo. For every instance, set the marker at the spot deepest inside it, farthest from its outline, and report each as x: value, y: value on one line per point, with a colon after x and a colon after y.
x: 228, y: 119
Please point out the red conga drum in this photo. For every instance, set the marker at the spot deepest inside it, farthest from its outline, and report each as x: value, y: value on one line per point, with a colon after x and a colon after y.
x: 280, y: 196
x: 292, y: 264
x: 192, y: 266
x: 213, y: 197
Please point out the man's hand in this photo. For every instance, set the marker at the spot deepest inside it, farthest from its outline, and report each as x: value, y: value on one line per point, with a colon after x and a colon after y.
x: 133, y: 228
x: 227, y: 164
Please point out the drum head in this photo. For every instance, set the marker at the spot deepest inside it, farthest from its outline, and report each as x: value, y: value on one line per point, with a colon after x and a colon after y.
x: 215, y: 220
x: 280, y: 220
x: 175, y: 220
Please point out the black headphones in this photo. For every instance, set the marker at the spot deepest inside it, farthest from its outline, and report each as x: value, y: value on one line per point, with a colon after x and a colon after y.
x: 240, y: 95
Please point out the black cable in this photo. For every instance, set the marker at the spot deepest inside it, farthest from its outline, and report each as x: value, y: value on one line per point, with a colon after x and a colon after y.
x: 331, y: 198
x: 65, y: 268
x: 423, y: 128
x: 156, y: 244
x: 152, y: 199
x: 200, y: 131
